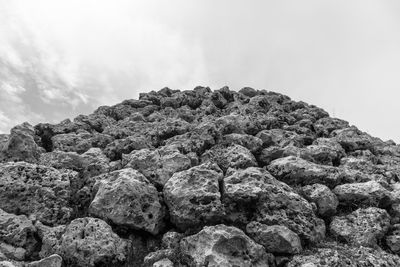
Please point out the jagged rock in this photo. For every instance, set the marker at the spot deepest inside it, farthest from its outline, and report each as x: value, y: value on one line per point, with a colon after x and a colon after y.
x: 163, y: 263
x: 171, y: 240
x: 158, y: 255
x: 115, y: 149
x: 127, y: 198
x: 51, y: 261
x: 8, y: 264
x: 80, y: 142
x: 222, y: 245
x: 10, y: 252
x: 323, y: 127
x: 275, y: 238
x: 3, y: 140
x: 193, y: 196
x: 20, y: 145
x: 333, y: 254
x: 253, y: 194
x: 50, y: 238
x: 18, y: 231
x: 269, y: 154
x: 393, y: 239
x: 279, y: 137
x: 233, y: 156
x: 323, y: 197
x: 63, y: 160
x: 97, y: 162
x: 252, y: 143
x: 157, y: 165
x: 369, y: 193
x: 36, y: 190
x: 296, y: 171
x: 248, y: 91
x: 363, y: 227
x: 91, y: 242
x: 352, y: 139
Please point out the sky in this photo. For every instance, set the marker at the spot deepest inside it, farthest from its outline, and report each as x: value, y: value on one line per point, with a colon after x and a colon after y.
x: 59, y: 58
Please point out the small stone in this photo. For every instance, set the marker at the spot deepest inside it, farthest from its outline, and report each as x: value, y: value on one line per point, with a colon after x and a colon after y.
x: 323, y: 197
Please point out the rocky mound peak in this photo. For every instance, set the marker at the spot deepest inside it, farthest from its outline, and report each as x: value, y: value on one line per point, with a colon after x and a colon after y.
x: 199, y: 178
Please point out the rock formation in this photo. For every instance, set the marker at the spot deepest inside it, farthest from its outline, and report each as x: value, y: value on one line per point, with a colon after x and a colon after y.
x: 199, y: 178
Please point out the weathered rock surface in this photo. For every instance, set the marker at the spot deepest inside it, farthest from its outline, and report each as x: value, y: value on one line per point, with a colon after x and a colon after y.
x: 51, y: 261
x: 363, y: 227
x: 275, y: 238
x: 193, y: 196
x: 369, y: 193
x: 125, y: 197
x: 323, y: 197
x: 36, y: 190
x: 254, y: 195
x: 222, y: 245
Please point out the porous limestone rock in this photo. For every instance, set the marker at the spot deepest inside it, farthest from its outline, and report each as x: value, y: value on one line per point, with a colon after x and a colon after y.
x: 363, y: 227
x: 222, y: 245
x: 126, y: 198
x: 254, y: 194
x: 193, y: 196
x: 369, y: 193
x: 35, y: 190
x: 323, y: 197
x: 275, y: 238
x: 50, y: 261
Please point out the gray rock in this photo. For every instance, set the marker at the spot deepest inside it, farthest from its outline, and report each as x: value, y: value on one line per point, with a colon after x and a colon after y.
x: 63, y: 160
x: 323, y: 197
x: 222, y: 245
x: 163, y: 263
x: 50, y: 237
x: 89, y: 242
x: 369, y: 193
x: 21, y: 145
x: 252, y: 143
x: 296, y: 171
x: 363, y: 227
x: 157, y: 165
x: 51, y: 261
x: 352, y: 139
x: 280, y: 137
x: 115, y: 149
x: 253, y: 194
x: 334, y: 254
x: 193, y: 196
x: 127, y: 198
x: 80, y: 142
x: 35, y: 190
x: 275, y: 238
x: 323, y: 127
x: 233, y: 156
x: 171, y: 240
x: 393, y: 239
x: 9, y: 252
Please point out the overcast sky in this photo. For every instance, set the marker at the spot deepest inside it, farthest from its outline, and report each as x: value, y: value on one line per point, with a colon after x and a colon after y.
x: 59, y: 59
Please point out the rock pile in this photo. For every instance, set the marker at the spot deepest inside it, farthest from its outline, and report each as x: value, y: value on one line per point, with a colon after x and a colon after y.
x: 199, y: 178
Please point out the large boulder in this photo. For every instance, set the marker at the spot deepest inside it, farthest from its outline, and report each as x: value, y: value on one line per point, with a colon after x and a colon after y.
x: 363, y: 227
x: 275, y: 238
x: 232, y: 156
x: 323, y: 197
x: 20, y: 145
x: 91, y: 242
x: 297, y: 171
x: 222, y: 245
x: 157, y: 165
x: 352, y: 139
x: 36, y: 190
x: 193, y: 196
x: 126, y: 198
x: 254, y: 194
x: 369, y: 193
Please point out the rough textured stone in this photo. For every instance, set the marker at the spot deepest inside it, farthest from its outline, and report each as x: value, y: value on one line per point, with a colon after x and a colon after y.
x: 252, y: 143
x: 193, y: 196
x: 50, y: 238
x: 157, y: 165
x: 17, y: 231
x: 337, y: 255
x: 163, y: 263
x: 222, y: 245
x: 352, y: 139
x: 51, y: 261
x: 80, y: 142
x: 20, y: 145
x: 91, y: 242
x: 233, y: 156
x: 127, y: 198
x: 296, y: 171
x: 253, y: 194
x: 63, y: 160
x: 323, y: 197
x: 362, y: 227
x: 275, y: 238
x: 363, y: 194
x: 393, y: 239
x: 36, y: 190
x: 115, y: 149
